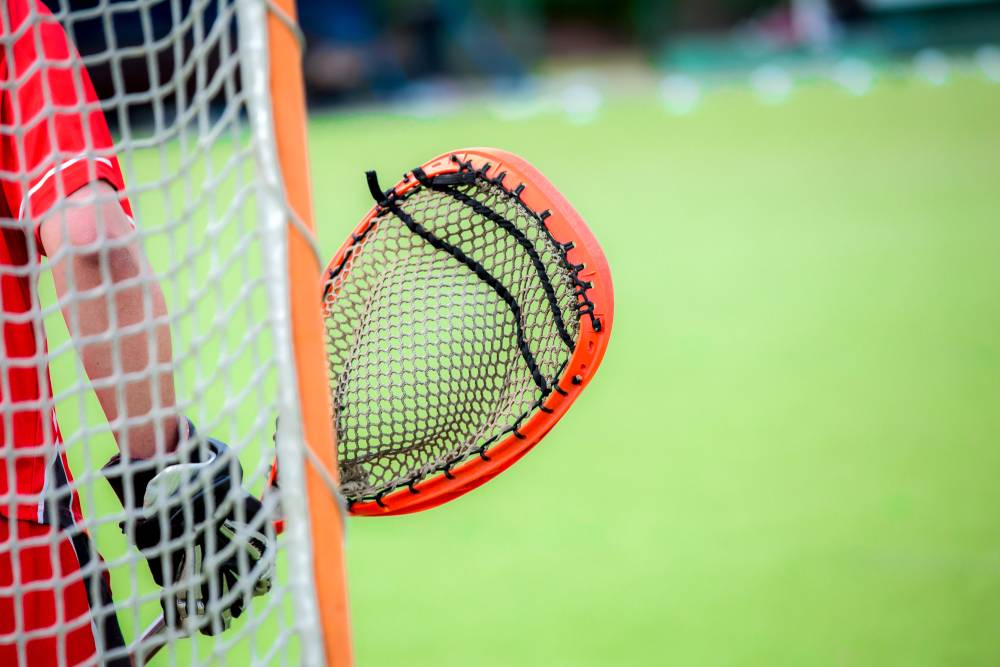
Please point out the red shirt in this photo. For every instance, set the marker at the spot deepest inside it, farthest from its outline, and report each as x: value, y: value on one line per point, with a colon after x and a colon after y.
x: 53, y: 141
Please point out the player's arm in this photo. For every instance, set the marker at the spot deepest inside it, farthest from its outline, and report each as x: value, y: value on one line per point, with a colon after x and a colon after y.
x: 58, y: 172
x: 176, y: 488
x: 105, y: 285
x: 182, y: 494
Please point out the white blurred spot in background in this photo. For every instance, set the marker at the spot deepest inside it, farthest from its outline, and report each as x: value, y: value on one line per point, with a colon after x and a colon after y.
x: 854, y: 74
x: 988, y: 59
x: 680, y: 94
x: 582, y: 102
x: 932, y: 66
x: 772, y: 83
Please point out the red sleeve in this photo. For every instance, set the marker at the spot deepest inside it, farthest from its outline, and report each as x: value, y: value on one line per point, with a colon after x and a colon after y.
x: 54, y: 136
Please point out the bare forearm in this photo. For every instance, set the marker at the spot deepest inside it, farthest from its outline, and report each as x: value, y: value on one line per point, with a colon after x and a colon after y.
x: 130, y: 371
x: 116, y: 313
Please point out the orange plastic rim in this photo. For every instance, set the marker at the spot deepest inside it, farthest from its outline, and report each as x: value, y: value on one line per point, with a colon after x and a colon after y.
x: 565, y: 225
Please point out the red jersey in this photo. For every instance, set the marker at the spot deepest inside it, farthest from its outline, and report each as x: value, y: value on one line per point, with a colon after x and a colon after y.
x: 53, y: 141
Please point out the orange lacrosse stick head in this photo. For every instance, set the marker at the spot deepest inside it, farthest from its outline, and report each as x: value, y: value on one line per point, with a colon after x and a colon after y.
x: 550, y: 292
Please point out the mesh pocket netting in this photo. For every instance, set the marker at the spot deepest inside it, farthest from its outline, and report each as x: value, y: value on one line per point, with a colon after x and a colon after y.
x: 449, y: 320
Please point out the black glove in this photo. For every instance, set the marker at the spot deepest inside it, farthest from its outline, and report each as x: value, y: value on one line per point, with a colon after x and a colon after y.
x: 204, y: 537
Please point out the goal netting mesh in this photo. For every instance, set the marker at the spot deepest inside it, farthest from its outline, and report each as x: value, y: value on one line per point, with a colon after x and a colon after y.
x: 183, y: 86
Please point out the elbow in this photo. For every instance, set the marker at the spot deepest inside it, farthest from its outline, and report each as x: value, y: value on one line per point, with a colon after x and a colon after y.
x: 94, y: 240
x: 91, y: 229
x: 101, y: 249
x: 97, y: 230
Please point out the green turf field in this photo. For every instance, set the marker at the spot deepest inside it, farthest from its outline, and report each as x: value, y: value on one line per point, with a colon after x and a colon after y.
x: 790, y: 453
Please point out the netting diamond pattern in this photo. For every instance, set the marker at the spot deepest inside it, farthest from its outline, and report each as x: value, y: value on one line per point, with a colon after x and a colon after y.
x: 171, y: 80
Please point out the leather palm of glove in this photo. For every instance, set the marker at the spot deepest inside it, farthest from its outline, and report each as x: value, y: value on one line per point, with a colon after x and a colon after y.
x: 204, y: 537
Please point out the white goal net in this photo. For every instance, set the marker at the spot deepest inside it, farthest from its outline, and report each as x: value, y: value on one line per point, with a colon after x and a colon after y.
x: 183, y: 87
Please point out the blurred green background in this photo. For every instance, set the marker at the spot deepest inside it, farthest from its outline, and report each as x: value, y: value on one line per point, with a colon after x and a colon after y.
x: 789, y: 455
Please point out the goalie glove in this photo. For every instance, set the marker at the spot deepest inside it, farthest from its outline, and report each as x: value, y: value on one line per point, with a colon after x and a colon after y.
x: 205, y: 538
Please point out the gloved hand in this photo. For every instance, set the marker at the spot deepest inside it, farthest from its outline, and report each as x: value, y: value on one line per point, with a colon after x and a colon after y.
x: 205, y: 538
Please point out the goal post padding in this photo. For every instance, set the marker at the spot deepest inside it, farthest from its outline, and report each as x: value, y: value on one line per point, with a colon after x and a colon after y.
x: 326, y: 517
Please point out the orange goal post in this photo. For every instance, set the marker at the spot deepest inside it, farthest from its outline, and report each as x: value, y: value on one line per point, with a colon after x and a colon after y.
x: 305, y: 267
